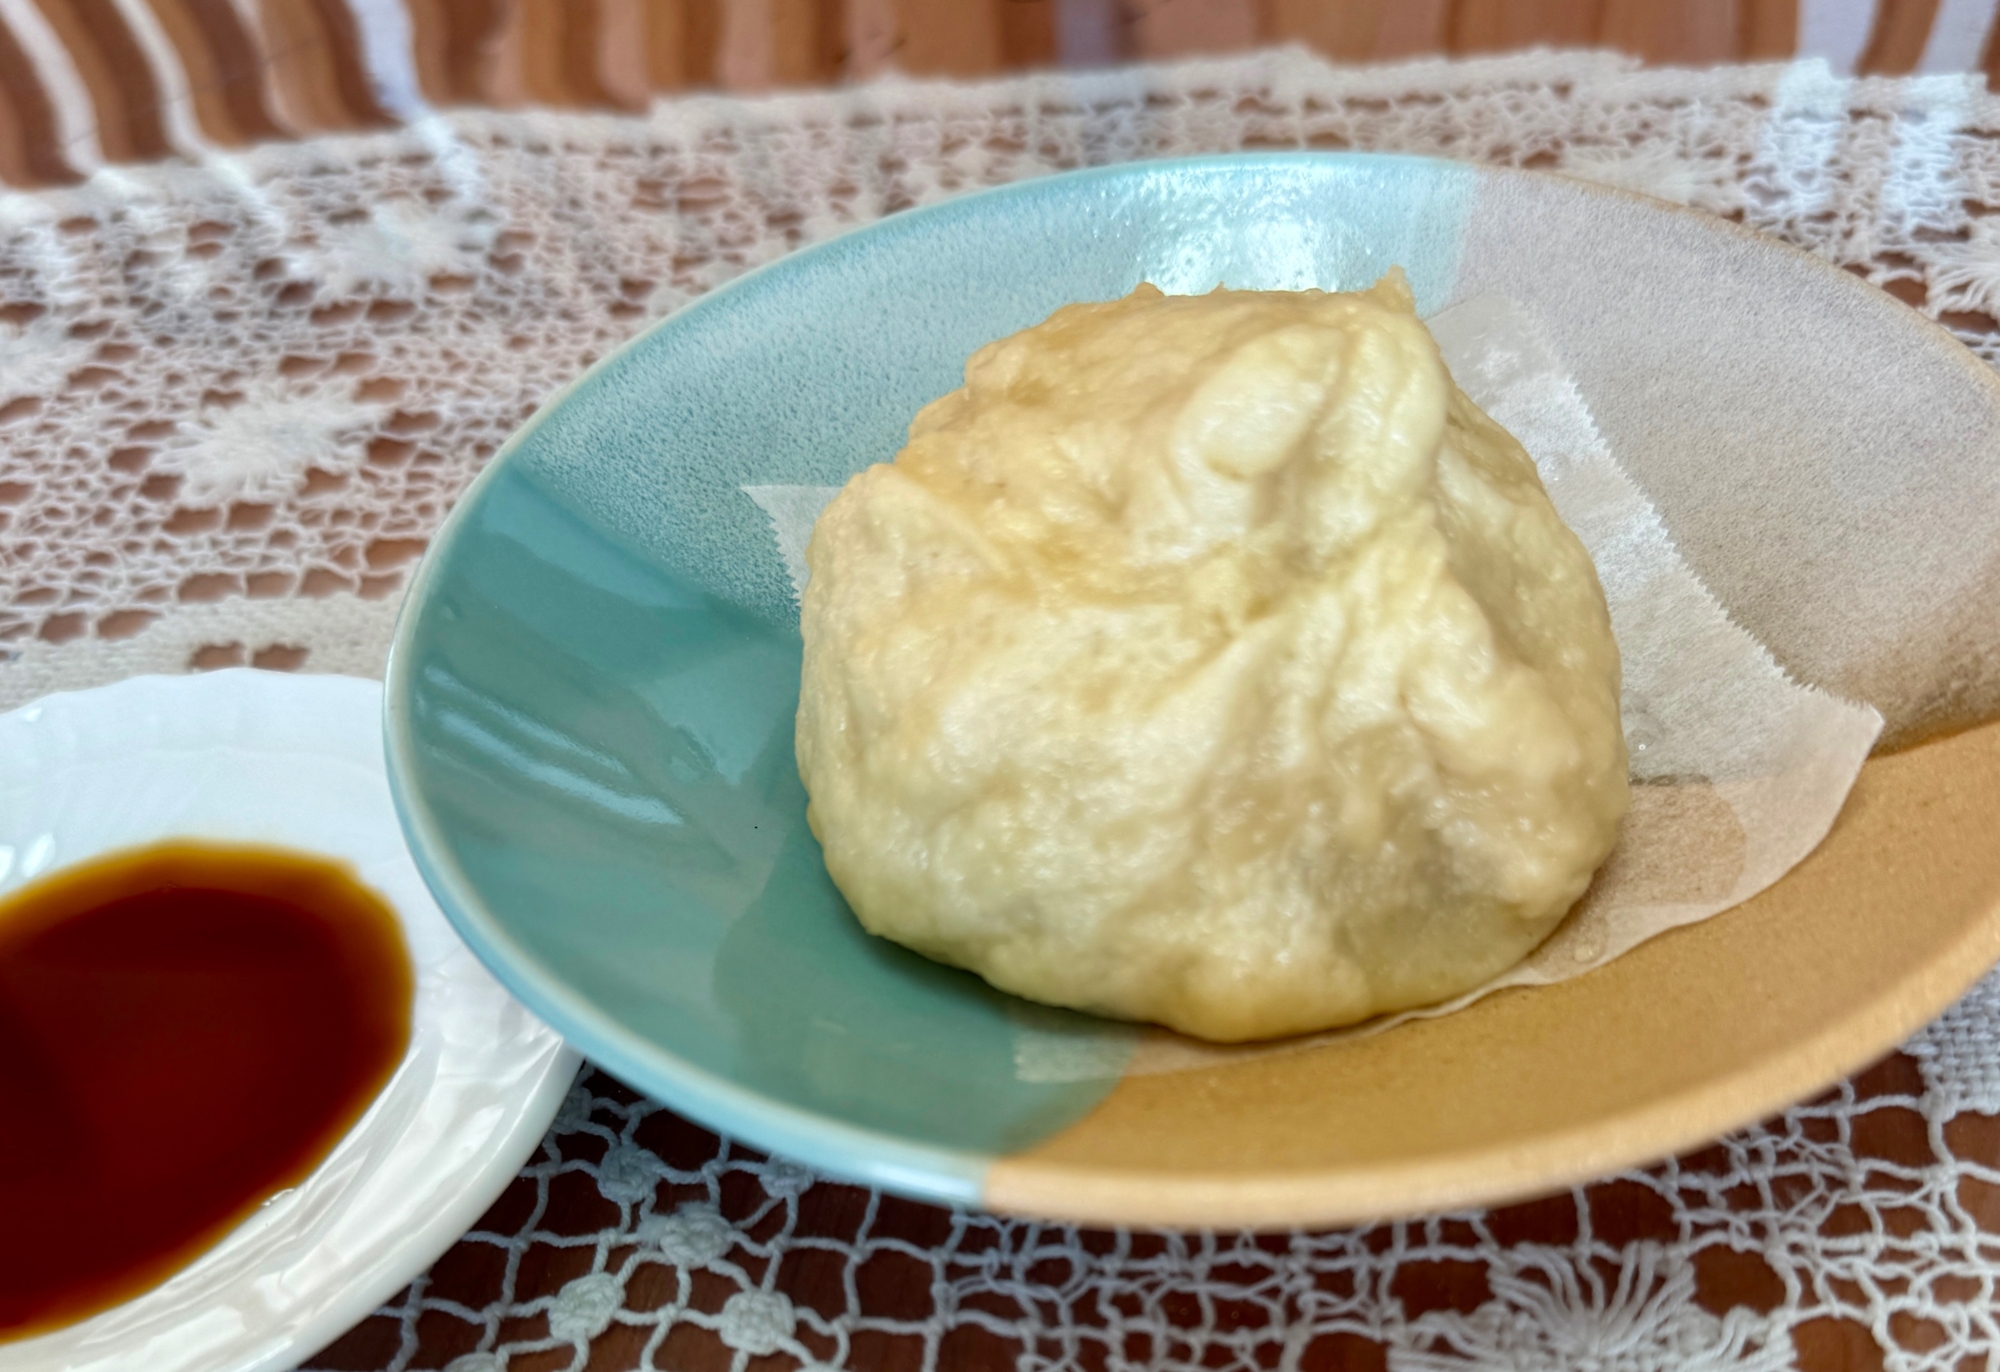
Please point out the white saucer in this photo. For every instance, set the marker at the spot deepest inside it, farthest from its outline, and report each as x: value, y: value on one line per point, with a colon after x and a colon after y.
x: 253, y: 756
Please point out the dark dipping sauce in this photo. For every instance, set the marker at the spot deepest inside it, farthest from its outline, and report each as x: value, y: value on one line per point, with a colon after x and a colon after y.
x: 185, y: 1030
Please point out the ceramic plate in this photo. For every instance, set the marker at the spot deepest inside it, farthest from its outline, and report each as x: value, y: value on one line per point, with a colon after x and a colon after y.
x: 591, y: 698
x: 259, y: 757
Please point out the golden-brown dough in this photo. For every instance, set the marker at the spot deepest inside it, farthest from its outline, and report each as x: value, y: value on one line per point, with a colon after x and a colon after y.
x: 1211, y: 661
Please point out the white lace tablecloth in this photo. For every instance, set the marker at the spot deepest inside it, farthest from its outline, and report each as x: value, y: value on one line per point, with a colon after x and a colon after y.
x: 237, y: 396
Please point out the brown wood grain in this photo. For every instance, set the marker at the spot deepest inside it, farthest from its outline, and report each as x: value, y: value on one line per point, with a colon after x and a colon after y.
x: 809, y: 41
x: 666, y: 25
x: 301, y: 68
x: 621, y: 53
x: 547, y: 32
x: 701, y: 39
x: 309, y: 71
x: 1027, y: 33
x: 1506, y: 25
x: 114, y: 69
x: 1364, y: 31
x: 1187, y: 28
x: 31, y: 151
x: 455, y: 42
x: 1676, y: 32
x: 339, y: 41
x: 225, y: 69
x: 934, y: 39
x: 1767, y: 29
x: 15, y: 167
x: 502, y: 84
x: 576, y: 42
x: 1896, y: 43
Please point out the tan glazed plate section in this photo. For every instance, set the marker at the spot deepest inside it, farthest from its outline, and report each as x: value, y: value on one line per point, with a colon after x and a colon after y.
x: 1703, y: 1029
x: 1699, y: 1031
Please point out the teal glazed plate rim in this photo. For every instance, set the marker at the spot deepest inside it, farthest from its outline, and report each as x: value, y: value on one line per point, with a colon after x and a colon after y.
x: 590, y: 695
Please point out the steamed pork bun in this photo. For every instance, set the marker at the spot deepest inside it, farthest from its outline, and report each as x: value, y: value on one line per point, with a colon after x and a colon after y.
x: 1211, y: 661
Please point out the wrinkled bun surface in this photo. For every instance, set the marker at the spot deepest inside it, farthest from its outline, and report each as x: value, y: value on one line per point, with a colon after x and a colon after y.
x: 1211, y: 661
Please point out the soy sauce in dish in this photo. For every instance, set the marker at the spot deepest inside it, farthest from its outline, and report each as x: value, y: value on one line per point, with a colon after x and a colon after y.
x: 186, y: 1029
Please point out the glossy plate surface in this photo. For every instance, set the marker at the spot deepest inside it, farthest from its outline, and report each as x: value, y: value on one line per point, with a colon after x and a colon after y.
x: 591, y: 696
x: 260, y: 757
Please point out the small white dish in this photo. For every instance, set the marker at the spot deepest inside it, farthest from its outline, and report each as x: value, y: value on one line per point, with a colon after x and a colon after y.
x: 295, y: 761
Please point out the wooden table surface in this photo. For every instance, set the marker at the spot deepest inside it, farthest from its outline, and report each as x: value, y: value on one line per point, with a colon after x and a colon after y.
x: 86, y: 82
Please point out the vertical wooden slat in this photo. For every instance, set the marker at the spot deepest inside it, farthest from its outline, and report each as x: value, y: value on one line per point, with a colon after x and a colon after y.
x: 428, y: 22
x: 1185, y: 28
x: 179, y: 120
x: 454, y: 42
x: 1896, y: 44
x: 621, y: 53
x: 1027, y: 33
x: 300, y: 83
x: 683, y: 38
x: 830, y: 32
x: 318, y: 78
x: 702, y: 30
x: 1414, y: 28
x: 957, y: 39
x: 1507, y: 25
x: 557, y: 52
x: 240, y: 62
x: 202, y: 69
x: 15, y: 168
x: 666, y: 44
x: 1689, y: 33
x: 578, y: 28
x: 1364, y: 30
x: 504, y: 84
x: 794, y: 47
x: 541, y: 56
x: 743, y: 50
x: 1345, y: 33
x: 873, y: 33
x: 31, y: 152
x: 476, y: 27
x: 1767, y: 30
x: 349, y: 61
x: 224, y: 66
x: 807, y: 45
x: 59, y: 85
x: 114, y: 67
